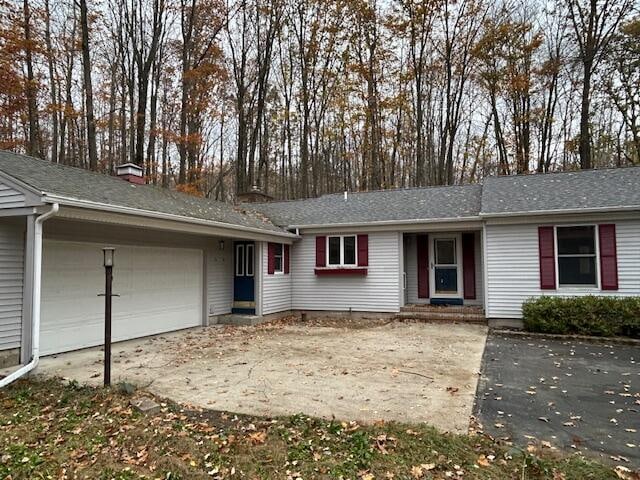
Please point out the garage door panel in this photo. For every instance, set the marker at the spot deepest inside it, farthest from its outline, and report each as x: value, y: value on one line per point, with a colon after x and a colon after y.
x: 160, y: 290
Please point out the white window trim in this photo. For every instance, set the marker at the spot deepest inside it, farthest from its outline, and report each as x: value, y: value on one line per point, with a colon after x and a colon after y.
x: 275, y: 270
x: 342, y: 264
x: 432, y: 263
x: 247, y: 262
x: 596, y: 241
x: 240, y: 260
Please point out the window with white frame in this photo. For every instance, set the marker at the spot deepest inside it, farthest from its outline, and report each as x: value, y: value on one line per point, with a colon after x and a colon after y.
x: 249, y: 260
x: 341, y: 251
x: 576, y: 247
x: 240, y: 260
x: 277, y: 258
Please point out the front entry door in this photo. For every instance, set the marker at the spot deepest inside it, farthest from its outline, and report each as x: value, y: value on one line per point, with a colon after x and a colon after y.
x: 445, y: 267
x: 243, y: 280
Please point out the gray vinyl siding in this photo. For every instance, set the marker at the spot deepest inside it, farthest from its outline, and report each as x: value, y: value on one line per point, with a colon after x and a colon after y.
x: 219, y: 278
x: 10, y: 197
x: 276, y: 288
x: 378, y: 291
x: 11, y: 284
x: 513, y: 267
x: 411, y: 266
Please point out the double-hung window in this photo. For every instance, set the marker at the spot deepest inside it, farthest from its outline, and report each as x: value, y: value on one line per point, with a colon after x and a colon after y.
x: 341, y: 251
x: 576, y: 247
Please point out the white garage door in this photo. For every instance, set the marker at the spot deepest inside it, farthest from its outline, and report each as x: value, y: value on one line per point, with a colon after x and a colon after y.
x: 160, y: 290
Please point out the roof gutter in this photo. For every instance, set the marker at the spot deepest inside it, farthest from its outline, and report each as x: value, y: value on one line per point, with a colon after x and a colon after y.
x: 387, y: 222
x: 623, y: 208
x: 35, y: 299
x: 73, y: 202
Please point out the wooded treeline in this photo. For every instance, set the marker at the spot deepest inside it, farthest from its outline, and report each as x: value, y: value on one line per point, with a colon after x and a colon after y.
x: 304, y: 97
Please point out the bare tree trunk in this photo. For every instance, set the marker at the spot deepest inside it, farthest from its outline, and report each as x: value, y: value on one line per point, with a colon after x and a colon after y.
x: 55, y: 115
x: 88, y: 88
x: 34, y: 145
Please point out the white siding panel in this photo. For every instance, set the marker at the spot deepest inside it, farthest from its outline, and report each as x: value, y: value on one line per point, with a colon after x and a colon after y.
x: 11, y: 284
x: 513, y: 267
x: 10, y: 197
x: 276, y: 288
x: 479, y: 276
x: 220, y: 279
x: 376, y: 292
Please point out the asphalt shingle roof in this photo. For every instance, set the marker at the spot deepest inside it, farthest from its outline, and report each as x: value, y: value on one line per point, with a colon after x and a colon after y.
x: 54, y: 179
x: 429, y: 203
x: 521, y: 194
x: 607, y: 188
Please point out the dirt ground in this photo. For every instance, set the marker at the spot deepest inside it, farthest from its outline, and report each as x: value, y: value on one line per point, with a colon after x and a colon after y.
x: 408, y: 372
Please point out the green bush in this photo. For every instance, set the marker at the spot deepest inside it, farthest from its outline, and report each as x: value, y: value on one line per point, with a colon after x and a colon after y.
x: 590, y: 315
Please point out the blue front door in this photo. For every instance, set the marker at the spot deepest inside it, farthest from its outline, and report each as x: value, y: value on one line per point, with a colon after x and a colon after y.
x: 243, y: 280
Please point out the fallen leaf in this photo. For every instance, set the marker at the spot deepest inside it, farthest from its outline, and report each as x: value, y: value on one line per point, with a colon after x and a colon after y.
x: 258, y: 437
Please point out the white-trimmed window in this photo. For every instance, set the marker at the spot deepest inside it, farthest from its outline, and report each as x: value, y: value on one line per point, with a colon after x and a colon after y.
x: 577, y: 255
x: 249, y: 263
x: 240, y: 260
x: 278, y: 261
x: 342, y: 251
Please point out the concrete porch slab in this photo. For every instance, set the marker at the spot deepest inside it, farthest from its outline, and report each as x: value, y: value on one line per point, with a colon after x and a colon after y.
x: 393, y: 371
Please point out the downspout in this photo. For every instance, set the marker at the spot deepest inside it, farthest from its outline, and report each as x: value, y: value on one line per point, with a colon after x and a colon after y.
x: 35, y: 299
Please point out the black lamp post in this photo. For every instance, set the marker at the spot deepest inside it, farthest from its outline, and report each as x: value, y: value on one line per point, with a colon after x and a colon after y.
x: 108, y: 293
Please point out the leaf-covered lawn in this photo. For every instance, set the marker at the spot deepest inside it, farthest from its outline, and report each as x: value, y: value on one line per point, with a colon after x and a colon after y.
x: 50, y: 429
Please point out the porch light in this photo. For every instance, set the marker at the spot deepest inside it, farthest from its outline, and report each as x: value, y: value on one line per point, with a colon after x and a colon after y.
x: 108, y: 256
x: 221, y: 244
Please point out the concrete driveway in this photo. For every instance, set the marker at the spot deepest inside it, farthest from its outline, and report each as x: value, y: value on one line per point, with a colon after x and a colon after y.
x: 396, y: 371
x: 563, y: 394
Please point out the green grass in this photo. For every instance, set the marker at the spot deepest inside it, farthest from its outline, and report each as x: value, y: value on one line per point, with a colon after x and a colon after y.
x: 49, y: 428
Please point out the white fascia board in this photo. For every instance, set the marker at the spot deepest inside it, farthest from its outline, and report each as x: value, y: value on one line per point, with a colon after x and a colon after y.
x: 551, y: 216
x: 18, y: 211
x: 207, y: 227
x: 414, y: 225
x: 560, y: 211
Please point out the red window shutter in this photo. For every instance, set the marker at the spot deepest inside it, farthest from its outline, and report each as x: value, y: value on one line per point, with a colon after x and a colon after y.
x: 469, y: 266
x: 608, y: 257
x: 423, y: 266
x: 286, y: 257
x: 363, y: 250
x: 271, y: 258
x: 321, y: 251
x: 546, y: 251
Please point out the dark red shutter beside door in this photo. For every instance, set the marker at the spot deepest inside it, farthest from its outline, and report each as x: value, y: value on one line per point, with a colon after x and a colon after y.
x: 271, y: 258
x: 546, y: 251
x: 285, y: 254
x: 363, y: 250
x: 321, y: 251
x: 469, y: 265
x: 423, y: 266
x: 608, y: 257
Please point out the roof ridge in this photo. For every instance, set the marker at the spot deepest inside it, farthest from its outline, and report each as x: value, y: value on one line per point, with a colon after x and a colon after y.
x: 381, y: 190
x: 398, y: 189
x: 563, y: 172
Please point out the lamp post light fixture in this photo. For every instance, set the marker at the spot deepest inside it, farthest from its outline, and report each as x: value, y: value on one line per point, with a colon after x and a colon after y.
x: 221, y: 245
x: 109, y: 253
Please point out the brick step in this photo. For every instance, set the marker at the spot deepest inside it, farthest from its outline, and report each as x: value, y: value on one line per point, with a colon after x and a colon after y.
x: 466, y: 309
x: 444, y: 317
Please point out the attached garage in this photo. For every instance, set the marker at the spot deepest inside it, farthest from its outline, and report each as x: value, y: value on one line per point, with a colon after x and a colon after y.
x: 160, y: 288
x: 173, y: 263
